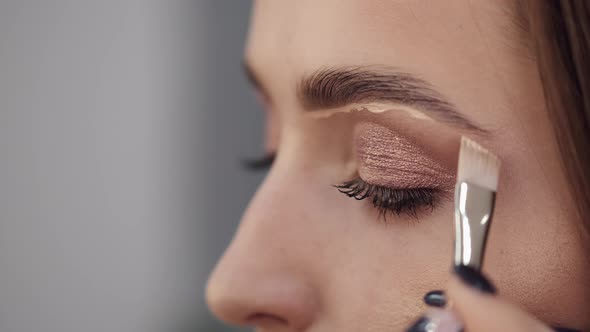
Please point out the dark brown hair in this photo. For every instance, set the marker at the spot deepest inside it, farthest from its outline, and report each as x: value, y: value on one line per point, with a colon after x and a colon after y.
x: 560, y: 35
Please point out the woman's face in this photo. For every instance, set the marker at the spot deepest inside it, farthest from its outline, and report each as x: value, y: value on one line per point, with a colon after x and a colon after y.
x: 377, y: 94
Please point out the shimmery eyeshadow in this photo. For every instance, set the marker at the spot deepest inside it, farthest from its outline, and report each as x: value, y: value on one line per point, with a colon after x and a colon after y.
x: 389, y: 159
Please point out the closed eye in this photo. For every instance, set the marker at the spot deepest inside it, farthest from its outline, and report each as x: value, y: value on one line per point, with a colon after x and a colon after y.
x: 397, y: 201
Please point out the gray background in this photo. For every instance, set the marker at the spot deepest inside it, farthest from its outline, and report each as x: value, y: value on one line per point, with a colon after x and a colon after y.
x: 122, y: 124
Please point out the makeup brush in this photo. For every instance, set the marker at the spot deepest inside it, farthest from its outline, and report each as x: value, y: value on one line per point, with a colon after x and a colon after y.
x: 475, y: 193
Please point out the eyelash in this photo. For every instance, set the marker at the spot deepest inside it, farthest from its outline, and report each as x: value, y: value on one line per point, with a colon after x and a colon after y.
x: 391, y: 200
x: 259, y: 164
x: 386, y: 200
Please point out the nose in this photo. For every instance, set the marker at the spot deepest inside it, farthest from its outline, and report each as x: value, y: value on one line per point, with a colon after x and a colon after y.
x: 265, y: 299
x: 260, y: 280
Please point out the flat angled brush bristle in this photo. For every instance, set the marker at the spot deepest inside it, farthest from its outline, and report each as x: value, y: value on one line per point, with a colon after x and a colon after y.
x: 477, y: 165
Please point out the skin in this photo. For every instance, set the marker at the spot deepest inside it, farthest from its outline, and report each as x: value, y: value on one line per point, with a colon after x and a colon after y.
x: 484, y: 313
x: 308, y: 258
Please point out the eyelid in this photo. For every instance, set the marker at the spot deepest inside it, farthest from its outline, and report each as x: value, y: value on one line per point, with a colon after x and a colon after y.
x: 389, y: 158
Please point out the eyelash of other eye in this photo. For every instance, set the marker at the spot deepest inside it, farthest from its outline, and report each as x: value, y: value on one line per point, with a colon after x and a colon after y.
x: 391, y: 200
x: 260, y: 164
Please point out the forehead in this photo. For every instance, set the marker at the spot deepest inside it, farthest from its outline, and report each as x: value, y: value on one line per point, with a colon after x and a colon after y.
x: 453, y: 44
x: 308, y: 33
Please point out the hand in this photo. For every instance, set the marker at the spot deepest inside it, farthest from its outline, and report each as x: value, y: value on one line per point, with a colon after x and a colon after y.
x: 476, y: 308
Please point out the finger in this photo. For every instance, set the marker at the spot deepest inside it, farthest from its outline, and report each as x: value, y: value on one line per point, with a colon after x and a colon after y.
x: 437, y: 320
x: 475, y: 303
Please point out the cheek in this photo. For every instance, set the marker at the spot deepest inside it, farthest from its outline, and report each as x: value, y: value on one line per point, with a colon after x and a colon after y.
x: 375, y: 274
x: 535, y: 255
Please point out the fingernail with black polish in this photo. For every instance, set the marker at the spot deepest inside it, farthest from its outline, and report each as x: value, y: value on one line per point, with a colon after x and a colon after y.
x: 565, y: 329
x: 435, y: 298
x: 474, y: 279
x: 420, y: 325
x: 437, y: 320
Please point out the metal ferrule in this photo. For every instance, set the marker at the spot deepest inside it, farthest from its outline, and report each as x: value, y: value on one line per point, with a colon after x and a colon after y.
x: 473, y: 214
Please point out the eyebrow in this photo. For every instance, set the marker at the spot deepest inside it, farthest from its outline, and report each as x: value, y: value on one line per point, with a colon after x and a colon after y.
x: 337, y: 87
x: 329, y: 88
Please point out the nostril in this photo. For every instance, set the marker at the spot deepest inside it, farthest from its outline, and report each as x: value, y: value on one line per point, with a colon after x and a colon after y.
x: 265, y: 320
